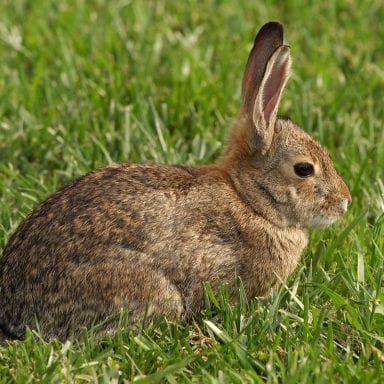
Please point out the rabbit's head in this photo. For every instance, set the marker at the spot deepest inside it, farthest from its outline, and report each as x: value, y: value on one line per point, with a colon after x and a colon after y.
x: 276, y: 167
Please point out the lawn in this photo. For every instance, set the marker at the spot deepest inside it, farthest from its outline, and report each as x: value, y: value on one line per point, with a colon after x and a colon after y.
x: 85, y: 83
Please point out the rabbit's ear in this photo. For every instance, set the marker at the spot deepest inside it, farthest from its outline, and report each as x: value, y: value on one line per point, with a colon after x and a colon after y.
x: 268, y: 95
x: 269, y: 38
x: 264, y: 79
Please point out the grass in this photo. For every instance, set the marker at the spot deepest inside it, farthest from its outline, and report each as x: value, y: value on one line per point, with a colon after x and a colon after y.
x: 84, y: 83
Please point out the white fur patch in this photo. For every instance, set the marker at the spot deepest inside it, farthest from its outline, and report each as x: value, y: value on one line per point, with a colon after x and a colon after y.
x: 322, y: 221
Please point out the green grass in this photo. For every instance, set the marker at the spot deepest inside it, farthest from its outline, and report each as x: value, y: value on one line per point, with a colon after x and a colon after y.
x: 84, y: 83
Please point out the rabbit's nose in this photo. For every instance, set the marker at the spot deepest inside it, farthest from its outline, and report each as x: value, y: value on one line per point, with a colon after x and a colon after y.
x: 344, y: 193
x: 344, y: 204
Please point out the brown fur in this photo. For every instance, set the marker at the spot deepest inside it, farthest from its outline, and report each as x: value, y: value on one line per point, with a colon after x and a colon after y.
x: 146, y: 237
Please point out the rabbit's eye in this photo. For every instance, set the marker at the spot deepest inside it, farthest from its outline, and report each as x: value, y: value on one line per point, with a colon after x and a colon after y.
x: 303, y: 169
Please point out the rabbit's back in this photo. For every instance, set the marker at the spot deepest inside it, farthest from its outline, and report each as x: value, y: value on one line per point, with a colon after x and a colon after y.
x: 142, y: 208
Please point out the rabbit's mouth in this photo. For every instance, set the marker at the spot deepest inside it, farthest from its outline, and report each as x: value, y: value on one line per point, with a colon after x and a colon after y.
x: 322, y: 221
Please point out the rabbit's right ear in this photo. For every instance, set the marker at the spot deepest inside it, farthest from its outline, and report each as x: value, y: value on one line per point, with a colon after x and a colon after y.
x: 265, y: 76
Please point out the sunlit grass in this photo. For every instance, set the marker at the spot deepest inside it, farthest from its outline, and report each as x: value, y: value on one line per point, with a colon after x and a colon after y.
x: 84, y: 83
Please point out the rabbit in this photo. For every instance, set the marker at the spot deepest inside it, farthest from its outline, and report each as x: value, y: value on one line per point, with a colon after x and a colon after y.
x: 146, y: 238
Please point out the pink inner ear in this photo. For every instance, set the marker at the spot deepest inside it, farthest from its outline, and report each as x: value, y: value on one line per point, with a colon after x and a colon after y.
x: 272, y: 90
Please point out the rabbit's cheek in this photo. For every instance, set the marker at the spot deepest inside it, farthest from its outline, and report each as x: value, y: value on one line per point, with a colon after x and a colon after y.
x: 292, y: 194
x: 305, y: 192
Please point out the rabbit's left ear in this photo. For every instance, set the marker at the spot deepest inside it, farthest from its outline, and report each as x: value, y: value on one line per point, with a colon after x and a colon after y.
x: 265, y: 75
x: 268, y: 96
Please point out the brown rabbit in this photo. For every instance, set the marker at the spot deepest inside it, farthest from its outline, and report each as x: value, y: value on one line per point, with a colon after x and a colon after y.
x: 146, y: 237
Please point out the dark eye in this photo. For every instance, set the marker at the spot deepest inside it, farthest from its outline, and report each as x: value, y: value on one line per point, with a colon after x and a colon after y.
x: 303, y: 169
